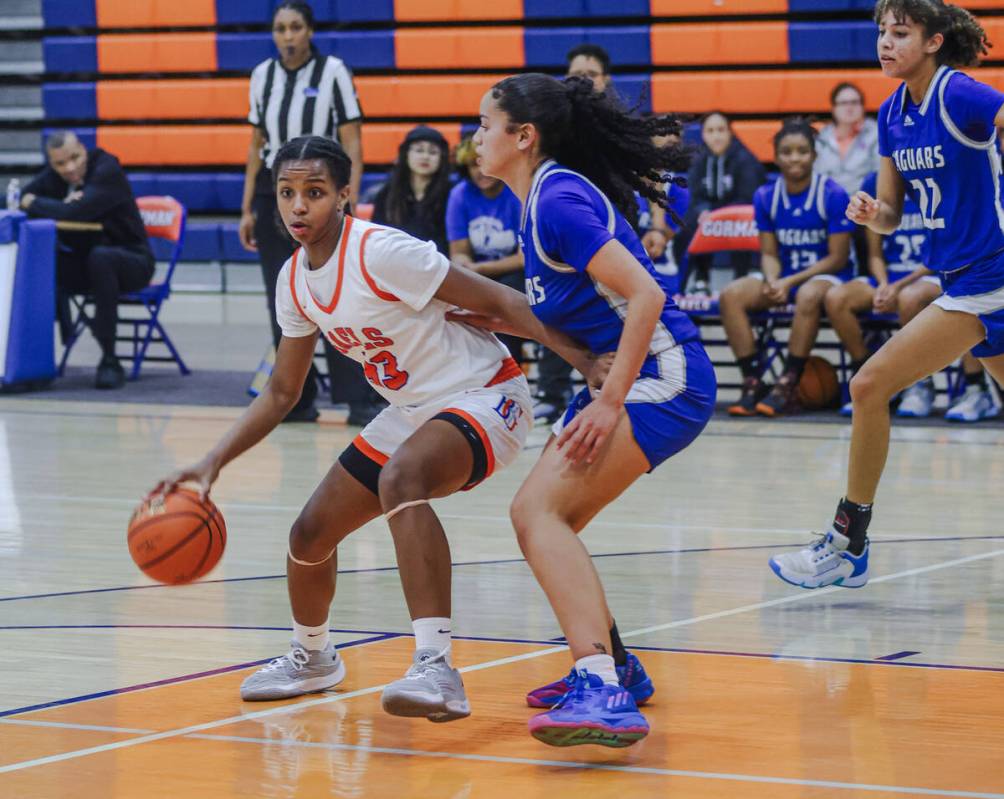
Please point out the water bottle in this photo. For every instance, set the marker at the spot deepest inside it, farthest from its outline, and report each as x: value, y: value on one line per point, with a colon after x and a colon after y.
x: 13, y: 194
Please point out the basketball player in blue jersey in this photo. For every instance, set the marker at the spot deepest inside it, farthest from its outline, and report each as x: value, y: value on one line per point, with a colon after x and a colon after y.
x: 898, y: 283
x: 575, y: 159
x: 938, y: 143
x: 805, y: 249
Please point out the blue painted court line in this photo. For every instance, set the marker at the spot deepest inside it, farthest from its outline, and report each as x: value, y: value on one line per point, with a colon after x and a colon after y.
x: 504, y: 561
x: 379, y: 635
x: 898, y: 655
x: 171, y: 680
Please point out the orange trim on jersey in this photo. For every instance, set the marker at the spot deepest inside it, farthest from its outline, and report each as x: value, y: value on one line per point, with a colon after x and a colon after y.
x: 507, y: 371
x: 292, y: 284
x: 383, y: 295
x: 369, y: 451
x: 485, y: 441
x: 341, y: 270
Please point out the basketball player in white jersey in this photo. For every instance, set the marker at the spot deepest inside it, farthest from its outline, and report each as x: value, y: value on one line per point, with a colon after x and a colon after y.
x: 459, y: 410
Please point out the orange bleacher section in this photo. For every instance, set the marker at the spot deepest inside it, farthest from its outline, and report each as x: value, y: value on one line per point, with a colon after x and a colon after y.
x: 163, y: 84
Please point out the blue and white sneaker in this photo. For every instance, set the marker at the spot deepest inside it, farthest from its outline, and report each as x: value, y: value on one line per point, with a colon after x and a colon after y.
x: 591, y: 712
x: 917, y: 400
x: 826, y: 562
x: 976, y: 404
x: 847, y: 409
x: 632, y: 677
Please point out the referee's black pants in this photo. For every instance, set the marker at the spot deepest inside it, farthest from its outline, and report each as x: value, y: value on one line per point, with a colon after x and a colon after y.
x: 345, y: 376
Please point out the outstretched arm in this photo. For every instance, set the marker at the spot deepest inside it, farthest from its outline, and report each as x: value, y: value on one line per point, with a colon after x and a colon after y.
x: 292, y: 362
x: 500, y: 308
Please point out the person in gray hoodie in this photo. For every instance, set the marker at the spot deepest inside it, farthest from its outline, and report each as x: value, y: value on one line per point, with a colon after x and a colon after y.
x: 847, y: 148
x: 724, y: 172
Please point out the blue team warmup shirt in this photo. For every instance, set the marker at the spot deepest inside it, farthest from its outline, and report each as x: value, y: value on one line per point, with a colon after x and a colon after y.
x: 906, y: 249
x: 804, y: 222
x: 946, y: 150
x: 490, y: 224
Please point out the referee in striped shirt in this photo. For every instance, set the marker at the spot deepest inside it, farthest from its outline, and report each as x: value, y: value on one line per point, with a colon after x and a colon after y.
x: 300, y: 93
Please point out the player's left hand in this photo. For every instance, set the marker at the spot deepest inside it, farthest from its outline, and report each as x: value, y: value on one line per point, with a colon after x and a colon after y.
x: 885, y: 299
x: 583, y: 438
x: 654, y: 242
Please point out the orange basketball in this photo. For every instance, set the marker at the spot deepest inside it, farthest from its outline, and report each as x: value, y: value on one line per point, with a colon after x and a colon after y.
x: 177, y: 539
x: 819, y: 386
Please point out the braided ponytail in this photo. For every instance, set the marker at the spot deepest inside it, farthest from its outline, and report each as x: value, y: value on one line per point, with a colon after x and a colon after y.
x: 591, y: 133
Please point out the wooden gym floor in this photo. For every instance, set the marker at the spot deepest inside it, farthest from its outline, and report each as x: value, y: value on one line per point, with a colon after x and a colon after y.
x: 113, y: 687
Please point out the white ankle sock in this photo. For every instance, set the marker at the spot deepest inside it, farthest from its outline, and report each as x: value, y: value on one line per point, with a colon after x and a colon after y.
x: 433, y: 632
x: 313, y: 638
x: 600, y: 665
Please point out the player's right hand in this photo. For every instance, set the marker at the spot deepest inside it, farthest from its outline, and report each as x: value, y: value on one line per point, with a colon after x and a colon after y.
x: 862, y: 208
x: 246, y: 232
x: 203, y: 474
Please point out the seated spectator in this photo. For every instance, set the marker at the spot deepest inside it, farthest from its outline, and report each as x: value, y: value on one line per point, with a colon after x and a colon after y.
x: 89, y: 186
x: 592, y: 62
x: 724, y: 172
x: 414, y: 197
x: 482, y: 223
x: 898, y: 283
x: 656, y: 227
x: 805, y: 244
x: 847, y: 148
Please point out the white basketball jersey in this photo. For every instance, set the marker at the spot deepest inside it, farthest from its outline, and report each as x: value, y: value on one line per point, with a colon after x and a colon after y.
x: 373, y: 300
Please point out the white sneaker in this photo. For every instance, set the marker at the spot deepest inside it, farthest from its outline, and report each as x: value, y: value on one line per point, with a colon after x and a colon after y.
x: 299, y: 671
x: 917, y: 400
x: 975, y: 404
x: 847, y: 409
x: 430, y: 688
x: 826, y: 562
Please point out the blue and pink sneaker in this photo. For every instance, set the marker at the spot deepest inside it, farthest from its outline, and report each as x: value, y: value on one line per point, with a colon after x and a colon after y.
x: 631, y: 675
x: 591, y: 712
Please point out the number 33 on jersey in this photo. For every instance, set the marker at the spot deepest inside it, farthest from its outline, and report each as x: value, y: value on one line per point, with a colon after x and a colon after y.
x: 374, y: 302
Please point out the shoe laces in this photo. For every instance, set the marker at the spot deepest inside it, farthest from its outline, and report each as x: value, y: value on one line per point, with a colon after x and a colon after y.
x: 422, y: 669
x: 297, y: 657
x: 579, y: 681
x: 822, y: 548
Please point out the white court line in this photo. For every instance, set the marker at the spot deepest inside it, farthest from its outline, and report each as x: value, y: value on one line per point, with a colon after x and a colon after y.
x: 804, y: 532
x: 818, y: 592
x: 65, y: 725
x: 209, y: 725
x: 661, y: 772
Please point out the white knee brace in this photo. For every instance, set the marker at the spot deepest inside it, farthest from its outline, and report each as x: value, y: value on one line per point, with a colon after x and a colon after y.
x: 404, y: 505
x: 296, y: 560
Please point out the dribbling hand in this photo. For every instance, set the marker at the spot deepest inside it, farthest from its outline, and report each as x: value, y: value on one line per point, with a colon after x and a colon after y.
x: 862, y: 208
x: 203, y: 474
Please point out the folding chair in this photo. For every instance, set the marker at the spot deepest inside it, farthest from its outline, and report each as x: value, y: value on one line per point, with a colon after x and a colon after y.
x: 164, y: 218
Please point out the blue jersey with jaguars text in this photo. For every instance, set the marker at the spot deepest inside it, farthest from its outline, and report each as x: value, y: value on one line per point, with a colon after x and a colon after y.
x: 945, y: 148
x: 566, y: 220
x: 804, y: 222
x: 906, y: 248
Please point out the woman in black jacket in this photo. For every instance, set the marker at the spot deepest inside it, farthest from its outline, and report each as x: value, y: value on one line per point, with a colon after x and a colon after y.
x: 724, y: 172
x: 414, y: 197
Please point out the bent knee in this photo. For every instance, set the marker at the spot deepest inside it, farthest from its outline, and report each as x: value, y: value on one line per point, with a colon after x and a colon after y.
x: 401, y: 481
x: 868, y: 386
x: 308, y: 542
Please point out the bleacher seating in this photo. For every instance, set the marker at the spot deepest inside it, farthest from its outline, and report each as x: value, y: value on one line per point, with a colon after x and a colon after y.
x: 163, y: 84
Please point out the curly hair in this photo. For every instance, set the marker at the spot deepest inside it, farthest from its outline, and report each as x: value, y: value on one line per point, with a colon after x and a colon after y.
x: 796, y: 126
x: 591, y: 133
x: 965, y: 40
